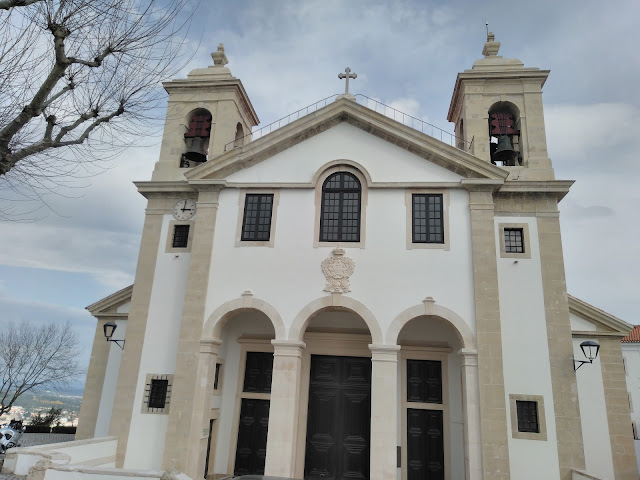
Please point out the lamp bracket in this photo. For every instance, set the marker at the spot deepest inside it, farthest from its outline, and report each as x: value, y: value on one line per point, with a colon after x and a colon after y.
x: 579, y: 363
x: 117, y: 342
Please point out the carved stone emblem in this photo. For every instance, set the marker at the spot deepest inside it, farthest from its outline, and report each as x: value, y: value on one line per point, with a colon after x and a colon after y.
x: 338, y: 269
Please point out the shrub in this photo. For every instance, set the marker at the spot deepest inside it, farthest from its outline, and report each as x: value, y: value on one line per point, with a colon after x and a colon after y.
x: 38, y: 429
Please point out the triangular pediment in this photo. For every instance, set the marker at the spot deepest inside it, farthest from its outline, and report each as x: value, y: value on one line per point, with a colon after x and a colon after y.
x: 603, y: 321
x: 344, y: 110
x: 108, y: 306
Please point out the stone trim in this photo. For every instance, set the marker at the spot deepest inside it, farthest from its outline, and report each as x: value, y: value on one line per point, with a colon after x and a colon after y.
x: 144, y: 409
x: 136, y: 326
x: 525, y: 240
x: 364, y: 185
x: 425, y: 353
x: 430, y: 308
x: 618, y: 412
x: 274, y: 216
x: 169, y: 246
x: 493, y: 410
x: 302, y: 319
x: 563, y: 378
x: 445, y: 219
x: 542, y: 421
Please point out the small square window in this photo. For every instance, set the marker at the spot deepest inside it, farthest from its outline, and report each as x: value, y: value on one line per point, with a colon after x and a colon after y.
x: 513, y: 240
x: 527, y: 416
x: 256, y: 223
x: 158, y: 393
x: 427, y: 218
x: 180, y: 236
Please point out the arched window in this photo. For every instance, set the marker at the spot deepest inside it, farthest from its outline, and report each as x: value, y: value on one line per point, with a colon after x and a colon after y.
x: 196, y: 139
x: 340, y: 214
x: 239, y: 140
x: 504, y: 135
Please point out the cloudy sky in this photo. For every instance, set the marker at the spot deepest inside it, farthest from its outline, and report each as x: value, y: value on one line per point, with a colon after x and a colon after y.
x: 406, y: 54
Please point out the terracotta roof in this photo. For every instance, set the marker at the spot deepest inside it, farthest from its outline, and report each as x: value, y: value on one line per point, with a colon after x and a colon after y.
x: 633, y: 337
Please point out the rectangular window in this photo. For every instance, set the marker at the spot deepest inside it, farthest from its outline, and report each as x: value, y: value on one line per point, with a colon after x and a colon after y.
x: 180, y: 236
x: 216, y: 378
x: 513, y: 240
x: 427, y: 218
x: 527, y: 416
x: 158, y: 393
x: 256, y: 224
x: 424, y: 381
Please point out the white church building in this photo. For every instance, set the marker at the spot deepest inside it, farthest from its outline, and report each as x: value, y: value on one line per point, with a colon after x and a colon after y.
x: 350, y: 297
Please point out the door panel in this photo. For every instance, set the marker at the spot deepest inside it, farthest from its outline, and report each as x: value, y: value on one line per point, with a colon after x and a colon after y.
x: 252, y: 437
x: 425, y: 446
x: 339, y: 418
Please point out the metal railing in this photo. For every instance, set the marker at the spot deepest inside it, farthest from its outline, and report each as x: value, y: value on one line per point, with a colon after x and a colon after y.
x: 370, y: 103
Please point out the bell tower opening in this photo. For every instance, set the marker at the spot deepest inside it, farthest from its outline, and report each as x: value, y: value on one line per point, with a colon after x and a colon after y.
x: 196, y: 139
x: 504, y: 135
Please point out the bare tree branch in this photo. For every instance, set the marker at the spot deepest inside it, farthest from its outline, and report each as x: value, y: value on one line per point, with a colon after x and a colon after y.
x: 33, y: 357
x: 78, y: 71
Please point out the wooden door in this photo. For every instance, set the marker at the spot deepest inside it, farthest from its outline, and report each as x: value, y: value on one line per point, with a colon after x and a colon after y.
x: 251, y: 450
x: 425, y: 446
x: 339, y: 418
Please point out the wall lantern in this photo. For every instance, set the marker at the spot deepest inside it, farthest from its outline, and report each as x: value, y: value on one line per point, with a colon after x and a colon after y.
x: 590, y: 350
x: 109, y: 330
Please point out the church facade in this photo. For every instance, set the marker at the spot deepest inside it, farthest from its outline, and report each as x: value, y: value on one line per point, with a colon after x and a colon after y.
x: 349, y: 297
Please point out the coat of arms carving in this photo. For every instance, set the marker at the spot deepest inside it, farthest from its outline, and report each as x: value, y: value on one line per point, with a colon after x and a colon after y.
x: 338, y: 269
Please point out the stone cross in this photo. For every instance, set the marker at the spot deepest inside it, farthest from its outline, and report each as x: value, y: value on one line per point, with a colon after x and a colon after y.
x: 347, y: 75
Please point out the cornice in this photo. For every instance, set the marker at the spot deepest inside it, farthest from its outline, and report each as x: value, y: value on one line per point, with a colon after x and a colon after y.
x: 114, y: 300
x: 583, y: 310
x: 557, y: 188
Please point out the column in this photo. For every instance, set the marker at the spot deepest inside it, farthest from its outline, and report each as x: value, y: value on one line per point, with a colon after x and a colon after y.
x: 284, y: 408
x: 185, y: 431
x: 471, y: 412
x: 384, y: 411
x: 493, y: 409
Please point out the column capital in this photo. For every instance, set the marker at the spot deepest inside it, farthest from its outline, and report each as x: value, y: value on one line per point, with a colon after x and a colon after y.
x: 384, y: 353
x: 288, y: 348
x: 468, y: 357
x: 210, y: 345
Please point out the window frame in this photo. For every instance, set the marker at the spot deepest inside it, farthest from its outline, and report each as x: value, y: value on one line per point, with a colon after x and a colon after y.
x: 341, y: 192
x: 364, y: 194
x: 541, y: 434
x: 526, y: 243
x: 240, y: 223
x: 256, y: 223
x: 170, y: 233
x: 446, y: 199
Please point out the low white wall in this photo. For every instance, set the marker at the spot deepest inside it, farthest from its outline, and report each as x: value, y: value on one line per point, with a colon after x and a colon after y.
x: 91, y: 452
x: 88, y: 473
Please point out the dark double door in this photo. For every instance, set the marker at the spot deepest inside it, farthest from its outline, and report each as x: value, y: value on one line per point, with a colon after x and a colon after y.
x: 338, y: 418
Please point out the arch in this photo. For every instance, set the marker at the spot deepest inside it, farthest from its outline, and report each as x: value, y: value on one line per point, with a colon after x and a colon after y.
x: 342, y: 165
x: 430, y: 308
x: 299, y: 326
x: 218, y: 319
x: 239, y: 140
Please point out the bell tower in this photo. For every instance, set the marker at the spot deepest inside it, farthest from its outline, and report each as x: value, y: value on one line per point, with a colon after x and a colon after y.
x: 497, y: 105
x: 208, y: 114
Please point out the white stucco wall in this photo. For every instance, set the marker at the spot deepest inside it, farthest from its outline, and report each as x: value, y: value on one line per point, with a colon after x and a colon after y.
x: 110, y: 382
x: 631, y: 355
x: 525, y: 352
x: 593, y: 415
x: 388, y: 277
x: 145, y: 447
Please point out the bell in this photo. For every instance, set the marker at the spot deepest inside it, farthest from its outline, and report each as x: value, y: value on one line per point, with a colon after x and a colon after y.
x: 195, y: 150
x: 504, y: 151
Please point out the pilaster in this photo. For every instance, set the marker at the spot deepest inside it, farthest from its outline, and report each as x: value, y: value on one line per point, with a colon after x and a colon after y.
x: 284, y: 408
x: 185, y: 432
x: 384, y: 411
x: 93, y: 387
x: 471, y: 412
x: 618, y: 414
x: 136, y: 326
x: 493, y: 412
x: 563, y: 378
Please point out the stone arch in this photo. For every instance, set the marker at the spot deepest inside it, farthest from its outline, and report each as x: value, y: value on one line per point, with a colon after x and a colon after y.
x: 296, y: 332
x: 218, y: 319
x: 342, y: 165
x: 430, y: 308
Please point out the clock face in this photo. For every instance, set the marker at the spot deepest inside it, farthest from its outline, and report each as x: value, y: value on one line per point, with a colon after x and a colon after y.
x: 184, y: 209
